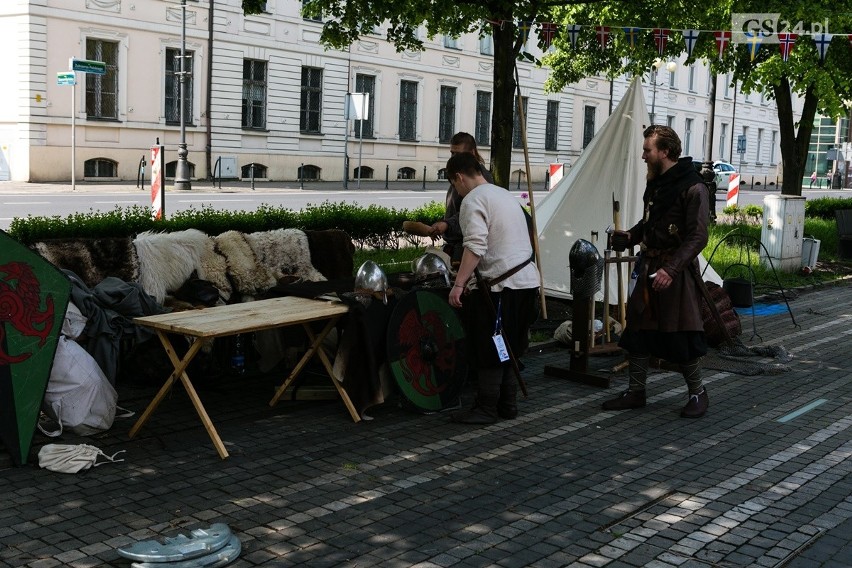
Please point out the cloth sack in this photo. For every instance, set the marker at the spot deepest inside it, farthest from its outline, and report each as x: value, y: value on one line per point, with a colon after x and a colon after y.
x: 69, y: 458
x: 79, y: 396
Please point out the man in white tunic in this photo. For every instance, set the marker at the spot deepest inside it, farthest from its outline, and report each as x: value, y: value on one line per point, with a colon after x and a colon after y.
x: 496, y: 245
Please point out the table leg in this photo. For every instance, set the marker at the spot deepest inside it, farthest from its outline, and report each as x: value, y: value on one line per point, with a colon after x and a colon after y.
x: 329, y: 368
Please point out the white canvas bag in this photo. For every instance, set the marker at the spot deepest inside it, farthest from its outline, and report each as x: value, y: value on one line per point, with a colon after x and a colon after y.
x: 66, y: 458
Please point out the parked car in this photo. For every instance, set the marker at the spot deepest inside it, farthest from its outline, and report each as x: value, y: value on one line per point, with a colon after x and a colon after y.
x: 723, y: 170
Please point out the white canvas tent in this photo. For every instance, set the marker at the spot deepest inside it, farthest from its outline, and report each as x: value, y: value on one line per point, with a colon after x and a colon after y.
x: 582, y: 200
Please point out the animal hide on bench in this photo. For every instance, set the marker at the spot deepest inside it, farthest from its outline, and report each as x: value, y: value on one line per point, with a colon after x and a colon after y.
x: 93, y: 259
x: 284, y: 252
x: 167, y: 260
x: 249, y: 278
x: 332, y: 253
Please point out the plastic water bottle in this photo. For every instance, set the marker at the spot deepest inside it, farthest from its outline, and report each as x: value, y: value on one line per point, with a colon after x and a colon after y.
x: 238, y: 358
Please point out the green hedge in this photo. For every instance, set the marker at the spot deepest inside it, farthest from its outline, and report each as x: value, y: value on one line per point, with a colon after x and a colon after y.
x: 371, y: 226
x: 824, y: 207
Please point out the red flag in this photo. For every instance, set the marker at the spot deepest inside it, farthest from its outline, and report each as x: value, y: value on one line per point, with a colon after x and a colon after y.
x: 546, y: 33
x: 723, y: 38
x: 603, y: 35
x: 661, y: 38
x: 786, y: 43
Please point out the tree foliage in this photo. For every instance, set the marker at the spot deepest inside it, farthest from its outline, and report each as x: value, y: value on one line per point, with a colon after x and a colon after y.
x: 823, y: 85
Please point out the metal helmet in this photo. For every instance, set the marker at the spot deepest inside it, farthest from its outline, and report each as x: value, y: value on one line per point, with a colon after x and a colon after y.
x: 583, y: 255
x: 431, y: 266
x: 371, y: 277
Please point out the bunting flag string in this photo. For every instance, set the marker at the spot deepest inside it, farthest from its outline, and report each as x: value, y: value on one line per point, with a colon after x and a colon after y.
x: 723, y: 38
x: 661, y: 38
x: 822, y: 41
x: 753, y: 41
x: 524, y: 29
x: 786, y: 43
x: 573, y: 32
x: 603, y: 35
x: 547, y: 31
x: 690, y: 37
x: 632, y: 35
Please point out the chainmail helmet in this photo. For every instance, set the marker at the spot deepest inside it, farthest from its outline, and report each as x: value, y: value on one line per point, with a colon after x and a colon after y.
x: 430, y: 269
x: 586, y: 267
x: 371, y: 278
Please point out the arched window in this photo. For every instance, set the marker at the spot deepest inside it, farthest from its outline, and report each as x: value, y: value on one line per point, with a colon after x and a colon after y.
x: 172, y: 166
x: 406, y: 173
x: 100, y: 168
x: 259, y: 171
x: 309, y: 172
x: 442, y: 174
x: 366, y: 173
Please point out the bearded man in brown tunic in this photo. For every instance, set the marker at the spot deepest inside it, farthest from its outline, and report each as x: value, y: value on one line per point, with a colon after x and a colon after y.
x: 663, y: 310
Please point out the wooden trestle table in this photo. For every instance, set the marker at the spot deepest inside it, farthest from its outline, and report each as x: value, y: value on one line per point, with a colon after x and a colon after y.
x: 247, y: 317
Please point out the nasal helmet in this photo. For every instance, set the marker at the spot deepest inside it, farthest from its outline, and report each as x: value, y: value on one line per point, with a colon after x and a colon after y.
x: 370, y: 277
x: 431, y: 266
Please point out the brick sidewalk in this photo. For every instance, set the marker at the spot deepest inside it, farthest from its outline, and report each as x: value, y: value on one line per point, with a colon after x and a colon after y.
x: 564, y: 484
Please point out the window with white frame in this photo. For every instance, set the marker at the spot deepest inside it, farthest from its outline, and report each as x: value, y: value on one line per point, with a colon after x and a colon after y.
x: 254, y: 94
x: 691, y: 79
x: 687, y: 137
x: 745, y: 137
x: 447, y: 114
x: 408, y: 110
x: 482, y: 128
x: 704, y: 143
x: 551, y: 126
x: 723, y: 140
x: 310, y: 116
x: 451, y: 42
x: 673, y: 78
x: 772, y: 144
x: 759, y: 145
x: 589, y: 113
x: 172, y: 95
x: 670, y: 121
x: 486, y: 44
x: 366, y: 84
x: 517, y: 135
x: 102, y: 90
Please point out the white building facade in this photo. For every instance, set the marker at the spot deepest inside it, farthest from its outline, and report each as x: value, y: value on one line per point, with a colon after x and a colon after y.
x: 264, y: 94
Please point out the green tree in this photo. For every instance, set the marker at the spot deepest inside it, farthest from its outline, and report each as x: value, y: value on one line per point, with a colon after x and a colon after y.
x: 347, y: 20
x: 823, y: 85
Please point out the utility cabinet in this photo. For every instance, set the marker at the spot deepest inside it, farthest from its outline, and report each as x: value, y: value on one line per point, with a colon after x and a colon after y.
x: 783, y: 225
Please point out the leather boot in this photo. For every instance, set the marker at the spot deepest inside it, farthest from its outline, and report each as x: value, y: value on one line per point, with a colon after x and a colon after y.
x: 626, y: 400
x: 697, y: 405
x: 484, y: 410
x: 507, y: 405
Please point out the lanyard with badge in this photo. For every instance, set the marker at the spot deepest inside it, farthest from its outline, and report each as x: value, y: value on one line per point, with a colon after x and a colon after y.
x: 499, y: 342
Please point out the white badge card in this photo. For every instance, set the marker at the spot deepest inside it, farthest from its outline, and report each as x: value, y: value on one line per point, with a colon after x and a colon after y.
x: 502, y: 352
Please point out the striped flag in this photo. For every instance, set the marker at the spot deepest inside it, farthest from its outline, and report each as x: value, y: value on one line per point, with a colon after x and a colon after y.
x: 786, y: 43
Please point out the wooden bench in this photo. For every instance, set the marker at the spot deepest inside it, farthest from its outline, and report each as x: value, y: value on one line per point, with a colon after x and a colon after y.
x: 234, y: 319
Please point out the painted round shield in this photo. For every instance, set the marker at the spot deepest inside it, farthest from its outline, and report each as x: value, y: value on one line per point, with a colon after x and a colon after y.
x: 426, y: 350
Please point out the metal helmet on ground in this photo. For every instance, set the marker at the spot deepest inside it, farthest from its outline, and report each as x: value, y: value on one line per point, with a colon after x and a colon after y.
x: 431, y: 266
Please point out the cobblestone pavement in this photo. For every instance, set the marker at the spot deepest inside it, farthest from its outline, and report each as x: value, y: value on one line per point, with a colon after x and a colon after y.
x: 564, y: 484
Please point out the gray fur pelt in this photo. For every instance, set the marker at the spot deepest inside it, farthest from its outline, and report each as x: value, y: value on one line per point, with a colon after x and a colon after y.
x: 249, y: 277
x: 93, y: 259
x: 167, y: 260
x: 284, y: 252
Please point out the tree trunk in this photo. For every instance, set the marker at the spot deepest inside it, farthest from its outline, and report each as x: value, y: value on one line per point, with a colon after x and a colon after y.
x: 794, y: 146
x: 502, y: 116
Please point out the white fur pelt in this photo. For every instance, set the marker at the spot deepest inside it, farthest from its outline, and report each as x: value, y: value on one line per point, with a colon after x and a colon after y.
x: 167, y: 260
x: 285, y: 252
x: 248, y: 276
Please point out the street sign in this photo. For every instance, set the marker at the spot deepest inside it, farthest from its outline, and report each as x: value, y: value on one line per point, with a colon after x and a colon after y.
x: 66, y: 78
x: 87, y: 66
x: 741, y: 144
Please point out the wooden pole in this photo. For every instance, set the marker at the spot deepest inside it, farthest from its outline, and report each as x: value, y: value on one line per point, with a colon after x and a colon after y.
x: 616, y: 222
x: 523, y: 123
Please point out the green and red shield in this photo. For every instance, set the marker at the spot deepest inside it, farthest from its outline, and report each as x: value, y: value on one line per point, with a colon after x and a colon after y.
x: 33, y: 297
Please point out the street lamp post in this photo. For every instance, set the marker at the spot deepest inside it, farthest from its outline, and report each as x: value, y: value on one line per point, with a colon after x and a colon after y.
x: 670, y: 66
x: 182, y: 166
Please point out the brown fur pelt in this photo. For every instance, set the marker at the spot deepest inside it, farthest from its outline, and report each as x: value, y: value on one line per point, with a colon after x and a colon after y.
x: 93, y: 259
x: 249, y: 277
x: 284, y: 252
x: 332, y: 253
x: 167, y: 260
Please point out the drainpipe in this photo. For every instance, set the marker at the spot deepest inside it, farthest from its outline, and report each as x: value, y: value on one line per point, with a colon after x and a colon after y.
x: 208, y: 150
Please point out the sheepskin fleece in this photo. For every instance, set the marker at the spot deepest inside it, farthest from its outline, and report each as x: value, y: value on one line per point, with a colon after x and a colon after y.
x: 284, y: 252
x: 248, y: 277
x: 214, y: 267
x: 92, y: 259
x: 167, y: 260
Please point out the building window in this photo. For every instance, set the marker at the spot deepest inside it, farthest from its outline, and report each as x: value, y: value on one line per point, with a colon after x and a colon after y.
x: 517, y: 139
x: 309, y: 172
x: 173, y: 87
x: 100, y: 168
x: 709, y: 79
x: 551, y: 127
x: 253, y: 171
x: 406, y: 173
x: 745, y: 137
x: 728, y: 86
x: 759, y: 145
x: 772, y: 144
x: 723, y: 140
x: 447, y: 114
x: 704, y: 144
x: 171, y: 167
x: 363, y: 172
x: 408, y: 110
x: 254, y: 93
x: 102, y: 90
x: 691, y: 79
x: 687, y: 138
x: 310, y: 117
x: 451, y: 42
x: 483, y: 118
x: 673, y: 79
x: 670, y: 121
x: 309, y: 17
x: 588, y: 124
x: 486, y: 45
x: 366, y: 84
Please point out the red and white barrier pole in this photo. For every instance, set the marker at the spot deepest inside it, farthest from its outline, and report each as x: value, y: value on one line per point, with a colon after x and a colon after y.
x: 733, y: 190
x: 158, y: 188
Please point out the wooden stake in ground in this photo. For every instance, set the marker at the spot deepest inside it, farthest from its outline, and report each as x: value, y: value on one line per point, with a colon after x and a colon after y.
x: 616, y: 223
x: 534, y: 238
